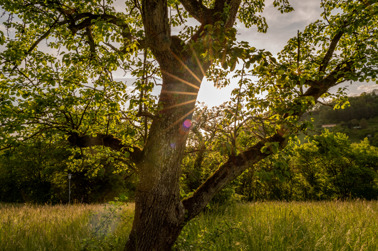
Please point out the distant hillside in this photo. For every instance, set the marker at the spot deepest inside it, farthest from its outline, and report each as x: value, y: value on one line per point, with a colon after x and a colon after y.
x: 359, y: 120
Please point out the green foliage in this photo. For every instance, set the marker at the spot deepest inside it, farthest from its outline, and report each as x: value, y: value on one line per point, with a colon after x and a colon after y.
x: 30, y: 172
x: 364, y: 106
x: 327, y: 167
x: 37, y: 172
x: 65, y: 87
x: 358, y: 120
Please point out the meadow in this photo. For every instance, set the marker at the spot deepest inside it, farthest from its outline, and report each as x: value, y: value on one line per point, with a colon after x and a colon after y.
x: 242, y: 226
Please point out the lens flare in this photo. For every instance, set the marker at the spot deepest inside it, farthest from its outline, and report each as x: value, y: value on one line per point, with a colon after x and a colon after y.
x: 187, y: 123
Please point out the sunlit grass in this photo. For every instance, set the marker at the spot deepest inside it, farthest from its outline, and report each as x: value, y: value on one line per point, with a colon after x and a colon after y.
x: 63, y: 227
x: 252, y: 226
x: 285, y: 226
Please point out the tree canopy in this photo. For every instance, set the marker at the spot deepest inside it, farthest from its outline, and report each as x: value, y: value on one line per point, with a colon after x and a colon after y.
x: 58, y: 59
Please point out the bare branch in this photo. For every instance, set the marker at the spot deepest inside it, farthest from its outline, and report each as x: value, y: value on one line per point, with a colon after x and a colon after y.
x: 179, y: 14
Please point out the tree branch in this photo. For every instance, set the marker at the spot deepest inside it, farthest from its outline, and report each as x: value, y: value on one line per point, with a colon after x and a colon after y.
x: 145, y: 114
x: 92, y: 44
x: 331, y: 49
x: 197, y: 10
x: 318, y: 88
x: 45, y: 35
x: 238, y: 164
x: 89, y: 17
x: 105, y: 140
x: 226, y: 173
x: 156, y: 25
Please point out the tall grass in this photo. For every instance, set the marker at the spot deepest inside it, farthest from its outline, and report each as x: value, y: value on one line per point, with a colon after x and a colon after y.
x: 64, y: 227
x: 252, y: 226
x: 285, y: 226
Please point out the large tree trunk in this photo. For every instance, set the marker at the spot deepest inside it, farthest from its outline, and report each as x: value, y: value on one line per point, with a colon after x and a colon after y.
x: 159, y: 213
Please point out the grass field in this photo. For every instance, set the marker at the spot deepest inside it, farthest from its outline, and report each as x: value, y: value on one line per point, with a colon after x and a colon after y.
x: 254, y: 226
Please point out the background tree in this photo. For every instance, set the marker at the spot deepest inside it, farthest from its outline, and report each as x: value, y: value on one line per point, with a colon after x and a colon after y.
x: 70, y: 88
x: 36, y: 172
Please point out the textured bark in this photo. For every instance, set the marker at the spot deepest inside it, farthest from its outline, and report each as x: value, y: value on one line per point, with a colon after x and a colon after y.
x: 159, y: 213
x: 104, y: 140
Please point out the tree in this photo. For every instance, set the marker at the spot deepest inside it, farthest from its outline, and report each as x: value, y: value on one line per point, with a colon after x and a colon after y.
x: 70, y: 90
x: 335, y: 168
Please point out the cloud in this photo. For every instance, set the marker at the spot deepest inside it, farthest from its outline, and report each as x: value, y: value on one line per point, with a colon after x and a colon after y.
x: 356, y: 88
x: 367, y: 87
x: 282, y: 27
x: 119, y: 5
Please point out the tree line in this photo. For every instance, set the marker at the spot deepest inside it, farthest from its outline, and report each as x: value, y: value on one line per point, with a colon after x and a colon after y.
x: 358, y: 119
x: 327, y: 166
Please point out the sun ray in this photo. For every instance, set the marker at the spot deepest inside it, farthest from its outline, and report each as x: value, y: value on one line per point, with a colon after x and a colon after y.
x: 197, y: 59
x: 180, y: 104
x: 181, y: 118
x: 183, y: 93
x: 187, y: 68
x: 182, y: 80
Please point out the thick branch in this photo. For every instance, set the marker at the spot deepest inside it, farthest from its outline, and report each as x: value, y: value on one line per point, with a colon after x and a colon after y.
x: 156, y: 25
x: 238, y: 164
x: 234, y: 167
x: 215, y: 15
x: 330, y: 51
x: 197, y: 10
x: 105, y: 140
x: 232, y: 12
x: 72, y: 17
x: 318, y: 88
x: 89, y: 17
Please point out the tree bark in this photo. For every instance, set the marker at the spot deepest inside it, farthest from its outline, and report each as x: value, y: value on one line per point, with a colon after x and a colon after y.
x: 159, y: 213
